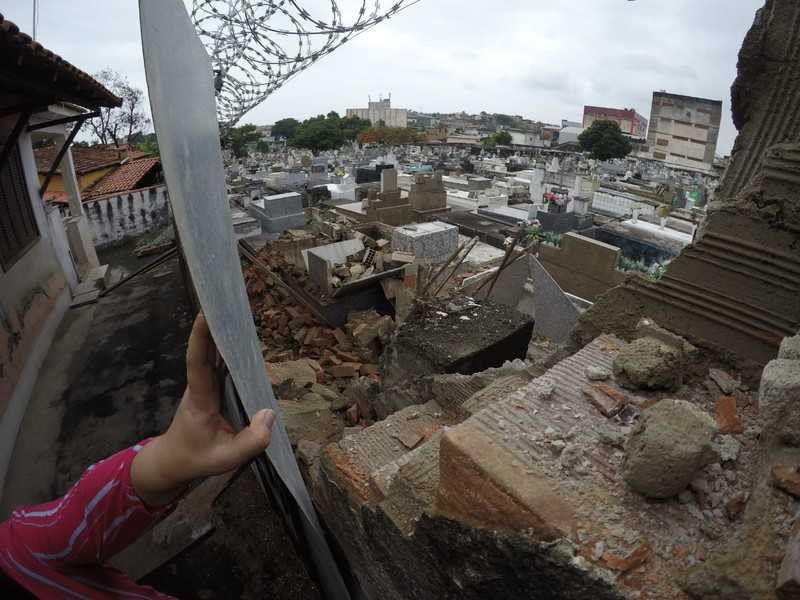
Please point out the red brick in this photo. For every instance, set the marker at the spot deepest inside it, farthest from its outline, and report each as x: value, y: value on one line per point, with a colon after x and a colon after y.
x: 346, y: 356
x: 482, y: 484
x: 341, y: 338
x: 604, y: 398
x: 345, y: 370
x: 369, y: 369
x: 351, y: 415
x: 633, y: 560
x: 786, y: 478
x: 727, y: 416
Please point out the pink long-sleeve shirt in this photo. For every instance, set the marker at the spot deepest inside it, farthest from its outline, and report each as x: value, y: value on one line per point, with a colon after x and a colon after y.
x: 60, y: 549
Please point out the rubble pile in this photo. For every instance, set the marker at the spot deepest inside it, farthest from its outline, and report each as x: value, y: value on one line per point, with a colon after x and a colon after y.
x: 308, y: 362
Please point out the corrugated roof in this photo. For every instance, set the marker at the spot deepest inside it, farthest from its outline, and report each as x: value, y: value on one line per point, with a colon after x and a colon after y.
x: 123, y: 178
x: 86, y: 159
x: 29, y: 68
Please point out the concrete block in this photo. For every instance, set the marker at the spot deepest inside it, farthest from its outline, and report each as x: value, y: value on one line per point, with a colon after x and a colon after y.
x: 282, y: 205
x: 319, y: 269
x: 280, y: 224
x: 790, y: 348
x: 430, y: 241
x: 779, y: 402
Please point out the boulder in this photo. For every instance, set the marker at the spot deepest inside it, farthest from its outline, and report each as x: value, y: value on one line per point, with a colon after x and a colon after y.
x: 671, y: 443
x: 650, y: 364
x: 790, y: 348
x: 779, y: 402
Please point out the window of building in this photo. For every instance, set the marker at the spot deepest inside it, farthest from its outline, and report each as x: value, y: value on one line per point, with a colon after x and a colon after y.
x: 18, y: 230
x: 659, y: 155
x: 681, y: 138
x: 662, y: 142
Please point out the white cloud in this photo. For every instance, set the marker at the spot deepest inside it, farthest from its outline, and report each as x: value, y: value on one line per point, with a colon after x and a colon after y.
x: 537, y: 58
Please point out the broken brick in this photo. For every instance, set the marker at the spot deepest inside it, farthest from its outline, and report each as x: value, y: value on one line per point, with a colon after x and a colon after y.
x: 341, y: 337
x: 605, y: 399
x: 351, y: 415
x: 735, y: 506
x: 369, y: 369
x: 346, y: 356
x: 633, y: 560
x: 345, y: 370
x: 727, y: 416
x: 409, y: 439
x: 786, y: 478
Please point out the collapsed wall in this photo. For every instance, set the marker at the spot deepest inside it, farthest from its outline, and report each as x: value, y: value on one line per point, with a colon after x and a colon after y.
x: 736, y: 289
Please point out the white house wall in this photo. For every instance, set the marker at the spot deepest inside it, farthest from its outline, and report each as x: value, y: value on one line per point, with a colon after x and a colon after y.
x: 114, y: 219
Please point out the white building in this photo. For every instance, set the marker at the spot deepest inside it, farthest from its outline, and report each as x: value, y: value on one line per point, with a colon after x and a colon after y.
x: 381, y: 111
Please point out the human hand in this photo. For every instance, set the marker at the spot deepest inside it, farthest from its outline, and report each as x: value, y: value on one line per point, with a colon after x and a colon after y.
x: 199, y: 442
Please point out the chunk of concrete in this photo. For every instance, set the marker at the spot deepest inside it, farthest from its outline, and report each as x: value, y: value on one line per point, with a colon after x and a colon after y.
x: 670, y: 444
x: 650, y: 364
x: 779, y: 402
x: 647, y: 327
x: 790, y: 348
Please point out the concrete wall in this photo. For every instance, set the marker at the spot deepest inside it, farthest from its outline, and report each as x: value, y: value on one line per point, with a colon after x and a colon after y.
x: 117, y: 218
x: 33, y: 298
x: 582, y: 266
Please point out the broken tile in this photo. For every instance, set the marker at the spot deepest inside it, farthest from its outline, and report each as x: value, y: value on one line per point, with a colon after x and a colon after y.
x: 604, y: 398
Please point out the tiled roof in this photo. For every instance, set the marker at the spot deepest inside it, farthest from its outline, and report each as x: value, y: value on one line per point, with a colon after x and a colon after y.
x: 29, y: 68
x: 123, y: 178
x: 86, y: 159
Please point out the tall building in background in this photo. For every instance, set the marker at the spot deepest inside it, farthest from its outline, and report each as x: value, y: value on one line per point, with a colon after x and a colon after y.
x: 630, y: 122
x: 684, y: 130
x: 381, y: 111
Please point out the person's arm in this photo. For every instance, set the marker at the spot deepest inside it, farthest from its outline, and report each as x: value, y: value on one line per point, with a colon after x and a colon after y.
x: 58, y: 549
x: 199, y: 442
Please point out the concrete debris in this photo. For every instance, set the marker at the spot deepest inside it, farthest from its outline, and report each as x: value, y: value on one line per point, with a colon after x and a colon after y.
x: 727, y: 447
x: 594, y: 373
x: 647, y: 327
x: 671, y: 443
x: 790, y: 348
x: 648, y: 363
x: 725, y: 382
x: 778, y: 407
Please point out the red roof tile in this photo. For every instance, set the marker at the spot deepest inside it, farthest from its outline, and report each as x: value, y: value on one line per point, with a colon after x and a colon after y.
x: 86, y: 159
x: 123, y: 178
x: 37, y: 72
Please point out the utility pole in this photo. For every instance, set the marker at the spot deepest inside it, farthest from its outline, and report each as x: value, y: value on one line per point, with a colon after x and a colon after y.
x: 35, y: 17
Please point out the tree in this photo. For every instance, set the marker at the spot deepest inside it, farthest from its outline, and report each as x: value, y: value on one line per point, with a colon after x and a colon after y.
x: 352, y: 126
x: 145, y: 142
x: 319, y: 133
x: 502, y: 138
x: 116, y: 124
x: 285, y: 128
x: 239, y: 138
x: 262, y: 146
x: 604, y: 139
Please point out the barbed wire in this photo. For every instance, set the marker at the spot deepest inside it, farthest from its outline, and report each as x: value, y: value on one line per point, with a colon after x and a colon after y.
x: 257, y: 45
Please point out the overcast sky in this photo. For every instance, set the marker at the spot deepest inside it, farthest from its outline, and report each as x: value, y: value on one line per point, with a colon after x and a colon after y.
x: 542, y: 59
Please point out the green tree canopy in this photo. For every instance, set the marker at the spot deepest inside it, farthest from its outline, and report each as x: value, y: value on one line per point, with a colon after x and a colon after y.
x: 605, y: 141
x: 285, y: 128
x: 238, y: 138
x: 319, y: 133
x: 502, y: 138
x: 352, y: 126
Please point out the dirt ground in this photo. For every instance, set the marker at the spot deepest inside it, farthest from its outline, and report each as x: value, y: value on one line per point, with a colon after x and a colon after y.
x: 114, y: 376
